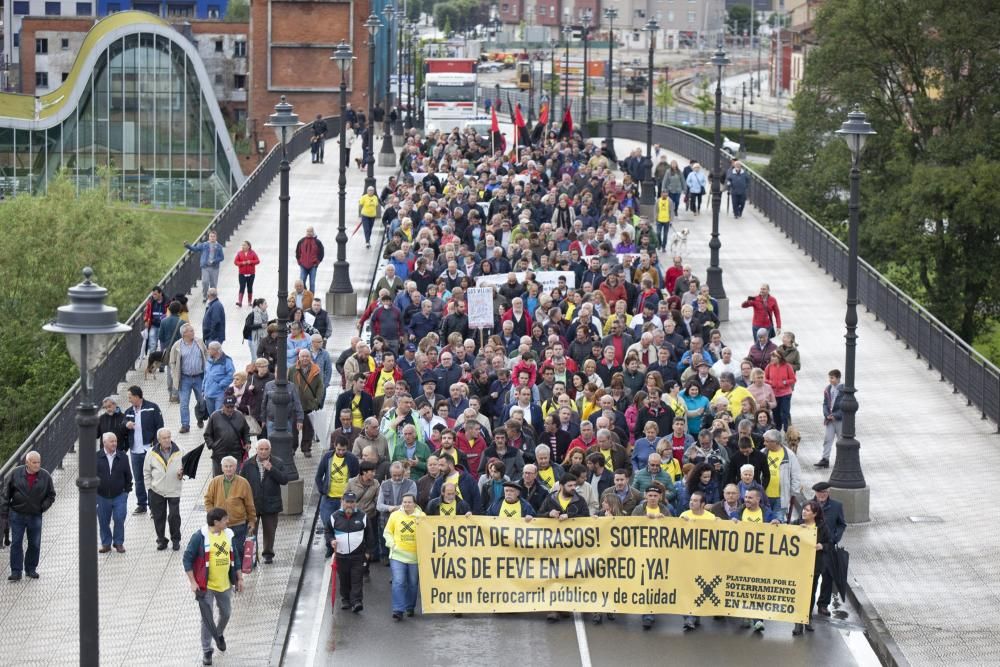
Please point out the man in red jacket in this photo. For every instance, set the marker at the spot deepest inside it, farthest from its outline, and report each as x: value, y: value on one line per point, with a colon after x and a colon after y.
x: 613, y: 290
x: 766, y: 314
x: 309, y: 254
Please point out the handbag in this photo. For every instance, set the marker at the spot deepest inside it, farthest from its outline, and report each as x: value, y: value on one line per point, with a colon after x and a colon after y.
x: 253, y: 425
x: 249, y: 554
x: 201, y: 410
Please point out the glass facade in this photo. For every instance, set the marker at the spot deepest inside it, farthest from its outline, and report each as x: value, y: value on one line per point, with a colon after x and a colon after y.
x: 143, y: 116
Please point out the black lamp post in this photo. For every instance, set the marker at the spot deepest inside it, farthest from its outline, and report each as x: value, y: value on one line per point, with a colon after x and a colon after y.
x: 567, y: 32
x: 341, y: 290
x: 397, y: 127
x: 553, y: 90
x: 284, y: 121
x: 647, y: 195
x: 847, y: 477
x: 743, y: 105
x: 714, y: 271
x: 372, y: 24
x: 387, y: 155
x: 635, y: 85
x: 88, y: 325
x: 610, y: 13
x: 411, y: 79
x: 585, y: 108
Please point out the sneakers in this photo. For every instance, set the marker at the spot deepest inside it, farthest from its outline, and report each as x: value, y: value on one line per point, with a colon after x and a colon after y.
x: 358, y: 608
x: 206, y: 658
x: 758, y: 626
x: 822, y: 463
x: 345, y: 605
x: 185, y: 429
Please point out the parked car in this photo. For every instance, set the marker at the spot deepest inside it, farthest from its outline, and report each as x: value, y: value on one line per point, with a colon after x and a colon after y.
x: 730, y: 146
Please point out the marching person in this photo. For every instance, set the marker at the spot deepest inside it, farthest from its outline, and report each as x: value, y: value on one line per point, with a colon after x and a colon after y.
x: 233, y: 493
x: 142, y: 419
x: 836, y: 524
x: 266, y: 475
x: 564, y: 503
x: 28, y: 493
x: 400, y: 536
x: 227, y: 434
x: 336, y: 467
x: 350, y: 528
x: 211, y: 257
x: 162, y: 472
x: 812, y: 517
x: 115, y: 482
x: 212, y: 566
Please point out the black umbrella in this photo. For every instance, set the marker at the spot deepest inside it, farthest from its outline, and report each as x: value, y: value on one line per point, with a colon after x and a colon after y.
x: 189, y: 461
x: 837, y: 564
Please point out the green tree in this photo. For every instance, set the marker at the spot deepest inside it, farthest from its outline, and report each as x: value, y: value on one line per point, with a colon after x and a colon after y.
x: 47, y: 240
x: 238, y: 11
x: 664, y: 95
x: 927, y: 78
x: 705, y: 102
x: 739, y: 18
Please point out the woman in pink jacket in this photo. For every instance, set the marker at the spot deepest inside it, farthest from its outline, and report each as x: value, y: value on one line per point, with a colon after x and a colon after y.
x: 781, y: 376
x: 246, y: 261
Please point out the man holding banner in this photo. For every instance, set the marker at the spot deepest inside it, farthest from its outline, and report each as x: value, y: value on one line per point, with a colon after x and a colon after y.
x: 565, y: 503
x: 401, y: 539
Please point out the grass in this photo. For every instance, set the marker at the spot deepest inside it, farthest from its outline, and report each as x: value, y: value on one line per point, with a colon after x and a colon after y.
x: 173, y: 229
x: 988, y: 343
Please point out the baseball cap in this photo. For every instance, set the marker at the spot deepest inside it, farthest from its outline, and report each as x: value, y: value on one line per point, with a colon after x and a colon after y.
x: 410, y: 347
x: 349, y: 497
x: 229, y: 401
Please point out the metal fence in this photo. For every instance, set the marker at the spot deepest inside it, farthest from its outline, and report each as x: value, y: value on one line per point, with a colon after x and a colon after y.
x: 56, y: 435
x: 969, y: 372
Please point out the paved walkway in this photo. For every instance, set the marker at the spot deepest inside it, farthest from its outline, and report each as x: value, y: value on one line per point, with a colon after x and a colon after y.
x: 933, y: 583
x: 147, y: 612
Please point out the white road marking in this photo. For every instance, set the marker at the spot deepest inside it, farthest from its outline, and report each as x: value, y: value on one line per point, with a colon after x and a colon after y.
x: 321, y: 602
x: 859, y: 647
x: 581, y: 640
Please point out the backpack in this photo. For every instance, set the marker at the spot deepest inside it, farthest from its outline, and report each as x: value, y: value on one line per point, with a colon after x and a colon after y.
x: 248, y: 327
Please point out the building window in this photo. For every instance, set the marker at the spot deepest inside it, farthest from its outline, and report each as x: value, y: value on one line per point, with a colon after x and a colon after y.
x: 213, y: 12
x: 218, y: 46
x: 239, y: 49
x: 22, y: 7
x: 53, y: 9
x: 180, y: 10
x: 41, y: 79
x: 65, y: 75
x: 41, y: 46
x: 84, y: 9
x: 218, y: 79
x: 691, y: 17
x: 114, y: 7
x: 64, y: 44
x: 240, y: 81
x: 17, y: 39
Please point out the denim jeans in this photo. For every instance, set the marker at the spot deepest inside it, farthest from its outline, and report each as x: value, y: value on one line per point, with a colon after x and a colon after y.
x: 327, y: 506
x: 368, y: 224
x: 108, y: 510
x: 783, y: 412
x: 239, y: 537
x: 153, y: 339
x: 404, y: 586
x: 780, y: 513
x: 214, y: 403
x: 308, y: 277
x: 19, y: 525
x: 140, y: 483
x: 187, y: 384
x: 224, y: 601
x: 209, y: 278
x: 663, y: 230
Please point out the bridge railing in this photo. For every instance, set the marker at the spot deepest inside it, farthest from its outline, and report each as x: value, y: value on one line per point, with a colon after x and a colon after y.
x: 55, y: 436
x: 969, y: 372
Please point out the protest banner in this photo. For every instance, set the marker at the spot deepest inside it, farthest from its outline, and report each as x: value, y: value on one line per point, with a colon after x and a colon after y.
x: 480, y: 306
x: 627, y: 565
x: 549, y: 280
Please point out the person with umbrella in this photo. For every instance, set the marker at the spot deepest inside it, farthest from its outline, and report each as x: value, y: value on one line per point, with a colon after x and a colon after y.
x: 834, y: 572
x: 162, y: 472
x: 212, y: 566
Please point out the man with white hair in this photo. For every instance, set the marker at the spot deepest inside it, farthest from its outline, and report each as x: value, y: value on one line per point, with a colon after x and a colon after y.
x: 213, y: 324
x: 785, y: 474
x: 115, y: 475
x: 27, y: 493
x: 218, y: 375
x: 233, y: 493
x: 162, y: 472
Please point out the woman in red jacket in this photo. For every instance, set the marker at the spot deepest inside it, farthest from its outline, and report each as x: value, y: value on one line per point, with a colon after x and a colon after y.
x: 781, y: 376
x: 246, y: 261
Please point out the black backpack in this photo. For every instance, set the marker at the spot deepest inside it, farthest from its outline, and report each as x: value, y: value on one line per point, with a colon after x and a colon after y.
x: 248, y: 327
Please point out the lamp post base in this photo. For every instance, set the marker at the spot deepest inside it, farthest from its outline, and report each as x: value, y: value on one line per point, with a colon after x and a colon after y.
x: 855, y: 501
x: 723, y: 309
x: 369, y: 182
x: 647, y: 194
x: 292, y: 495
x: 387, y: 159
x: 342, y: 303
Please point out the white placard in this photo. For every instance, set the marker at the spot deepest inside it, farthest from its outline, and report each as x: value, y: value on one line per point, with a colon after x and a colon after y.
x: 549, y: 280
x: 480, y: 304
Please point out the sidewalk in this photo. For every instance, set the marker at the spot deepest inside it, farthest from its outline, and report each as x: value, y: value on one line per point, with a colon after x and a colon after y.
x: 148, y: 615
x: 925, y: 561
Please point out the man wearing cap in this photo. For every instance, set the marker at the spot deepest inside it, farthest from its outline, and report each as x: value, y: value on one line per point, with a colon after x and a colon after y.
x: 335, y: 468
x: 785, y: 474
x: 511, y: 506
x: 226, y: 434
x: 350, y: 529
x: 408, y: 360
x: 833, y: 515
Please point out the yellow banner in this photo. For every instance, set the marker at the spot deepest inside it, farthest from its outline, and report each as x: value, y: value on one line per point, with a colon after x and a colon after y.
x: 626, y: 565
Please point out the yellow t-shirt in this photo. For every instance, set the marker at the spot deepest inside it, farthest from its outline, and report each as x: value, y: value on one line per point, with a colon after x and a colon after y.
x: 219, y: 562
x: 653, y: 511
x: 454, y: 455
x: 774, y: 460
x: 608, y: 462
x: 548, y: 476
x: 563, y: 502
x: 704, y: 516
x: 401, y: 535
x: 509, y: 511
x: 369, y: 205
x: 383, y: 377
x: 357, y: 421
x: 338, y: 476
x: 447, y: 509
x: 756, y: 516
x: 663, y: 210
x: 454, y: 480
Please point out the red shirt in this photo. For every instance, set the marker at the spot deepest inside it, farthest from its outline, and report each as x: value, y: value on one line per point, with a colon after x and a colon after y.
x: 32, y: 478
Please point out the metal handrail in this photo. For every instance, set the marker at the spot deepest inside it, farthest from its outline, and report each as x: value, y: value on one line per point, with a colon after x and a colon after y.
x: 57, y: 432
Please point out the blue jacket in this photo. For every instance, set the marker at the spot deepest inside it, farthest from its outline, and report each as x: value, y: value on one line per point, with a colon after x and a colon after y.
x: 467, y: 487
x: 203, y: 248
x: 218, y: 375
x: 213, y: 324
x: 323, y: 470
x: 152, y: 421
x: 526, y: 508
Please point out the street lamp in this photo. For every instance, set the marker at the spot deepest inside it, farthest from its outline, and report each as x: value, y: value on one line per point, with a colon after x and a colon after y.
x: 847, y: 478
x: 567, y: 32
x: 647, y: 195
x: 397, y: 127
x: 284, y: 121
x: 714, y: 271
x: 553, y: 90
x: 635, y: 84
x: 387, y: 155
x: 88, y: 325
x: 743, y: 105
x: 587, y: 16
x: 372, y: 24
x: 411, y: 80
x: 341, y: 293
x: 610, y: 13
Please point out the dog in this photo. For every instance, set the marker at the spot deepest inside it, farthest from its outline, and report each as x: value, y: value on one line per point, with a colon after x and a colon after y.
x: 679, y: 244
x: 154, y: 364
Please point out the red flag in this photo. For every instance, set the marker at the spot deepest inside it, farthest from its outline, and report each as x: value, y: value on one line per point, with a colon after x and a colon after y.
x: 496, y: 137
x: 518, y: 118
x: 566, y: 130
x: 543, y: 115
x: 495, y: 125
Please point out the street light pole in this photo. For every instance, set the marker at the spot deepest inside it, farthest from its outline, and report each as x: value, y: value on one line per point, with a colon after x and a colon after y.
x: 387, y: 155
x: 714, y: 271
x: 647, y: 195
x: 567, y: 32
x: 284, y: 121
x: 412, y: 79
x: 341, y: 293
x: 743, y: 105
x: 847, y: 478
x: 587, y: 16
x: 372, y: 24
x: 88, y: 325
x: 397, y: 127
x: 610, y: 13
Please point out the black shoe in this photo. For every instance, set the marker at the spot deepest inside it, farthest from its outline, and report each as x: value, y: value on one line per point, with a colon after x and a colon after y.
x: 206, y: 658
x: 396, y: 616
x: 220, y: 642
x: 268, y: 559
x: 797, y: 630
x: 345, y: 605
x: 32, y: 575
x: 611, y: 617
x: 201, y: 423
x: 596, y: 619
x: 358, y: 608
x: 161, y: 546
x: 409, y: 612
x: 14, y: 577
x: 647, y: 624
x: 810, y: 628
x: 823, y: 610
x: 176, y: 546
x: 552, y: 617
x: 822, y: 463
x: 139, y: 510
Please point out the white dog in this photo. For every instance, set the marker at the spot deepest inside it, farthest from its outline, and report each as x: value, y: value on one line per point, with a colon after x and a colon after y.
x: 679, y: 244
